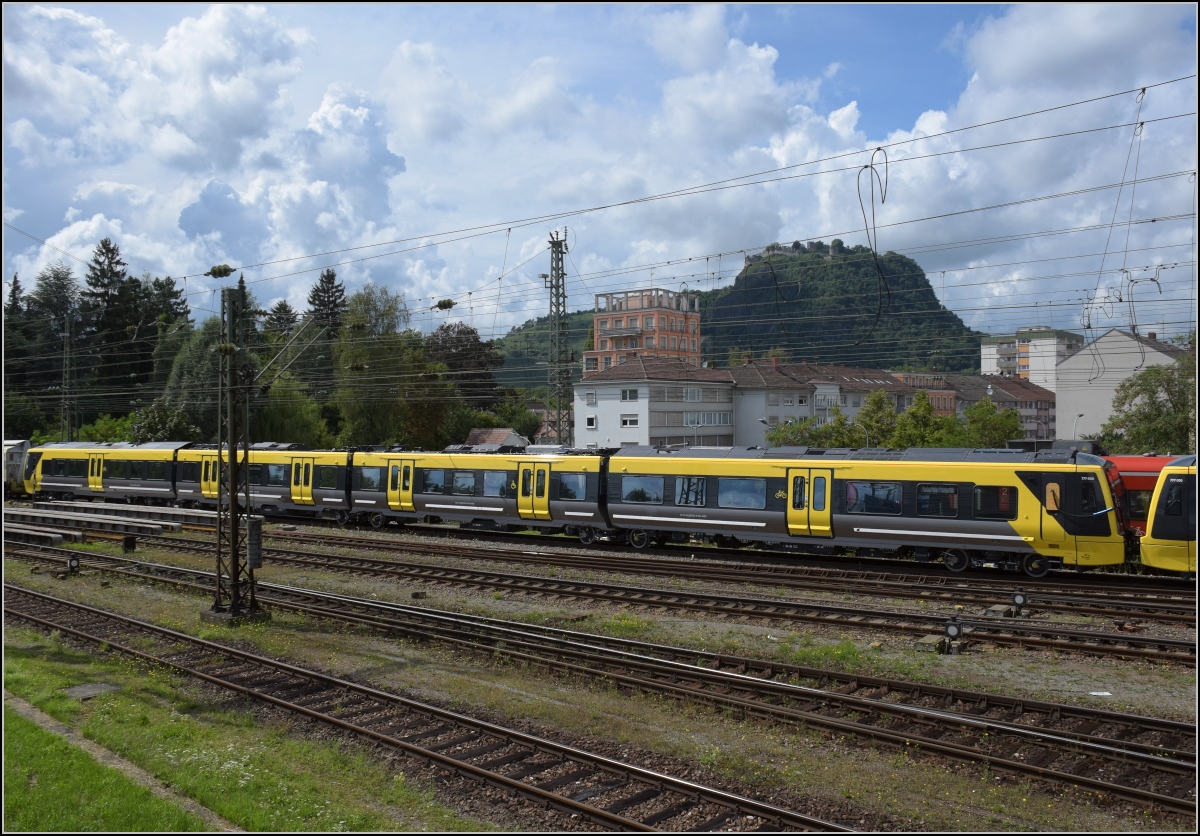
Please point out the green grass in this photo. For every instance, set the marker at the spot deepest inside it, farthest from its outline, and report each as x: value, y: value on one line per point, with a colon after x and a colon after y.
x: 259, y: 777
x: 50, y: 785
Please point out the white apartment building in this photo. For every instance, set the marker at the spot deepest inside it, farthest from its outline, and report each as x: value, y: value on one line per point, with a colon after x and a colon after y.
x: 1031, y: 354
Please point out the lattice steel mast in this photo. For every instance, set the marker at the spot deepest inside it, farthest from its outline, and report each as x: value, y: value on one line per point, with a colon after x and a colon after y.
x: 558, y: 411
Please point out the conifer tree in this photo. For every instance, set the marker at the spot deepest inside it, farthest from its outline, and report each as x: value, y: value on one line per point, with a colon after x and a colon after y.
x: 281, y: 319
x: 327, y: 302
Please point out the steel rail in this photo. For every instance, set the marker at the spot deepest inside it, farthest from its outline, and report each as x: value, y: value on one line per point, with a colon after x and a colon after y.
x: 376, y: 701
x: 959, y: 590
x: 593, y: 655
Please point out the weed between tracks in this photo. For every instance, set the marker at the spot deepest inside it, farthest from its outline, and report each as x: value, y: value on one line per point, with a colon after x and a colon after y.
x: 890, y: 790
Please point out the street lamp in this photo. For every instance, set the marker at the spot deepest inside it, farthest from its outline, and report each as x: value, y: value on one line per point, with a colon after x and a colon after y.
x: 695, y: 437
x: 1076, y: 424
x: 865, y: 433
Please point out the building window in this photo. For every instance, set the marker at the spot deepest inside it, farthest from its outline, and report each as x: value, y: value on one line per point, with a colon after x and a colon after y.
x: 801, y: 400
x: 674, y: 343
x: 629, y: 394
x: 788, y: 400
x: 589, y: 398
x: 633, y: 322
x: 618, y: 323
x: 649, y: 322
x: 603, y: 325
x: 693, y: 345
x: 649, y: 342
x: 629, y: 420
x: 590, y: 422
x: 772, y: 399
x: 856, y: 400
x: 608, y: 360
x: 603, y: 344
x: 591, y: 364
x: 691, y: 394
x: 773, y: 420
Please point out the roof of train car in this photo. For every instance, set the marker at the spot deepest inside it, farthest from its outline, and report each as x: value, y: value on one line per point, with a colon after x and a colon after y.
x: 916, y: 454
x: 122, y: 446
x: 1183, y: 461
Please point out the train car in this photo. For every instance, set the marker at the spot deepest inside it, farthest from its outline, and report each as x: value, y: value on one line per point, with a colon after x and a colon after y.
x: 114, y: 471
x: 284, y: 479
x: 14, y: 466
x: 1008, y: 508
x: 546, y: 488
x: 1135, y: 478
x: 1170, y: 542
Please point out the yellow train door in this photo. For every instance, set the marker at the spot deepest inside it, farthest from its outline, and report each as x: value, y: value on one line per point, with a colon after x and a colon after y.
x: 808, y: 511
x: 210, y: 474
x: 533, y: 496
x: 302, y: 479
x: 1051, y: 507
x: 400, y: 484
x: 96, y: 472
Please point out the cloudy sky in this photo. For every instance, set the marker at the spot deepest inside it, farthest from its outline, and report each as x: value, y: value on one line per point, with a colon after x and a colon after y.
x: 433, y: 149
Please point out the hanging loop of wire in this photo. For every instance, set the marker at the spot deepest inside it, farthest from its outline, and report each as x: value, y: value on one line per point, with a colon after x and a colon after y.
x: 883, y: 302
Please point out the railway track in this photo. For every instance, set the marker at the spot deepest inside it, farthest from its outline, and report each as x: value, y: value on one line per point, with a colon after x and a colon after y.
x: 1167, y: 604
x: 999, y: 631
x: 608, y: 792
x: 1141, y: 759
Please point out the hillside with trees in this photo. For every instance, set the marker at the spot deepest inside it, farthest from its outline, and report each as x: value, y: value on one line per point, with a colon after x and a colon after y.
x: 829, y: 304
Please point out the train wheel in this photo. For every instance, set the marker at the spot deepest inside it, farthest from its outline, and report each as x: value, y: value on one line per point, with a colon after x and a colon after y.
x: 639, y: 539
x: 342, y: 518
x: 376, y: 520
x: 587, y: 535
x: 956, y: 560
x: 1035, y: 565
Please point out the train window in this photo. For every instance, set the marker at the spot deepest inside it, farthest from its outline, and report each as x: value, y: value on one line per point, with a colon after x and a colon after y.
x: 255, y: 477
x: 1053, y: 496
x: 642, y: 489
x: 92, y: 467
x: 296, y: 474
x: 1089, y: 502
x: 60, y: 467
x: 31, y: 463
x: 937, y: 501
x: 689, y: 490
x: 395, y: 477
x: 432, y: 481
x: 206, y: 476
x: 742, y: 493
x: 307, y: 474
x: 77, y: 468
x: 277, y: 474
x: 136, y: 469
x: 464, y: 483
x: 189, y: 471
x: 494, y: 482
x: 327, y: 477
x: 798, y: 497
x: 818, y: 493
x: 406, y: 484
x: 998, y: 502
x: 1173, y: 502
x: 572, y: 486
x: 156, y: 471
x: 1139, y: 505
x: 371, y: 478
x: 874, y: 498
x: 541, y: 483
x: 116, y: 470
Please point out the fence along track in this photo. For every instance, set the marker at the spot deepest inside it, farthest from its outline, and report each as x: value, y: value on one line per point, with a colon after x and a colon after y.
x: 1141, y: 759
x: 633, y: 798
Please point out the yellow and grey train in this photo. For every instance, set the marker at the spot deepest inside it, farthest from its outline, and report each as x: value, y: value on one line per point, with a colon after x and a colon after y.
x: 1170, y: 539
x: 1017, y: 510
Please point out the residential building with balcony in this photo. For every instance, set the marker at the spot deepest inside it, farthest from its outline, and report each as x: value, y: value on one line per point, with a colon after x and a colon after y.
x: 652, y: 323
x: 1031, y: 354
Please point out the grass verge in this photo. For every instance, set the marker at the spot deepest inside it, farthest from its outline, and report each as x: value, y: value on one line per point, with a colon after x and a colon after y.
x: 42, y: 771
x: 260, y: 778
